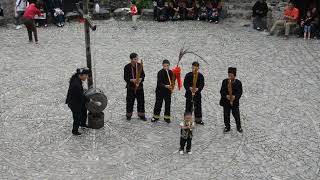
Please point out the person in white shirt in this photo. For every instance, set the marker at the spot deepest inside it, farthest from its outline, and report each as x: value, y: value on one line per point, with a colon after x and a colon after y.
x: 21, y: 6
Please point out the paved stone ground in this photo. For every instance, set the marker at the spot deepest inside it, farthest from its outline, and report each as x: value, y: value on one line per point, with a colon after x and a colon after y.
x: 280, y: 105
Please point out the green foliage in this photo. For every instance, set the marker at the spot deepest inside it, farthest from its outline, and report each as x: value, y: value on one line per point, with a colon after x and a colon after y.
x: 142, y: 4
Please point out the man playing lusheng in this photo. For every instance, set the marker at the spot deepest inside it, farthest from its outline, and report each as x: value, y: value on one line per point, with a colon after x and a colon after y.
x: 231, y: 92
x: 163, y: 92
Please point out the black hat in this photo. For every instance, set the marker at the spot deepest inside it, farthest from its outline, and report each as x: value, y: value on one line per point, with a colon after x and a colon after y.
x: 232, y: 70
x: 133, y: 55
x: 166, y: 62
x: 196, y: 64
x: 84, y: 70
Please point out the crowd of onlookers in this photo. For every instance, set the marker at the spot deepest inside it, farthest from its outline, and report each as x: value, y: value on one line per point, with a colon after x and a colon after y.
x: 306, y: 23
x: 206, y: 10
x: 48, y: 8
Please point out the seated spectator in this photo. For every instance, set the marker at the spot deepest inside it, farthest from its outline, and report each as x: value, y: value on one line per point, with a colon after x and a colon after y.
x: 259, y: 14
x: 43, y: 20
x: 291, y: 15
x: 53, y: 6
x: 191, y: 10
x: 161, y: 11
x: 202, y: 12
x: 59, y: 17
x: 217, y: 8
x: 21, y: 6
x: 172, y: 11
x: 213, y: 11
x: 182, y: 8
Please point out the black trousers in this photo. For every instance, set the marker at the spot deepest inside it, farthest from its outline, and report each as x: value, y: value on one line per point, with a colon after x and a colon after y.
x: 194, y: 106
x: 183, y: 143
x: 79, y: 118
x: 131, y: 97
x: 236, y: 114
x: 160, y: 97
x: 31, y: 28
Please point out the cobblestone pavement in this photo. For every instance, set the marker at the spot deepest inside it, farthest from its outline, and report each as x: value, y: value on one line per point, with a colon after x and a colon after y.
x: 279, y: 109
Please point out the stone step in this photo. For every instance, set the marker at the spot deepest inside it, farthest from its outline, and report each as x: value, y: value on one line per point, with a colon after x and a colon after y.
x: 244, y: 6
x: 241, y: 1
x: 3, y: 21
x: 239, y: 13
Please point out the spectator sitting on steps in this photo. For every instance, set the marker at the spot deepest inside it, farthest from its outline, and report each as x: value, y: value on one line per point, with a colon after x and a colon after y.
x: 259, y: 14
x: 290, y: 20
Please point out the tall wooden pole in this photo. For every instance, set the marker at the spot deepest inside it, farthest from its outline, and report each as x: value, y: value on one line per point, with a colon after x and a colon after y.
x: 87, y: 41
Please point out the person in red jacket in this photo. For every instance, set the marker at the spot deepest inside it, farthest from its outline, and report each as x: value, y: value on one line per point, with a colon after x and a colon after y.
x: 31, y: 11
x: 134, y: 14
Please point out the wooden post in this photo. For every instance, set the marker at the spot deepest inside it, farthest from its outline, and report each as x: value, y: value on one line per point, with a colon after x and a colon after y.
x: 87, y: 42
x: 84, y: 12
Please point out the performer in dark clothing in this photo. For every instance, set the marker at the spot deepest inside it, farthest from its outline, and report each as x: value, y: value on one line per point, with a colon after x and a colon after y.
x: 134, y: 77
x: 194, y: 84
x: 163, y: 92
x: 259, y: 14
x: 231, y: 92
x: 76, y: 99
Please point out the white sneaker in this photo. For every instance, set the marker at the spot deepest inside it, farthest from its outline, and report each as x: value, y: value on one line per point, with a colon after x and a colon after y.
x: 181, y: 152
x: 189, y: 152
x: 18, y: 27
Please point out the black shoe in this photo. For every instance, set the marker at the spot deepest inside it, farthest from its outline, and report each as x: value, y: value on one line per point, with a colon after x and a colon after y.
x: 154, y: 120
x: 76, y: 133
x: 201, y: 123
x: 226, y: 130
x: 84, y: 126
x: 128, y: 118
x: 240, y: 130
x: 143, y: 118
x: 167, y: 121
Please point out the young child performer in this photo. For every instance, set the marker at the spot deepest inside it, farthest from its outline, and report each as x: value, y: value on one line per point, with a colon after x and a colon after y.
x: 163, y: 92
x: 231, y: 92
x: 186, y: 133
x: 134, y: 77
x: 134, y: 14
x: 194, y: 84
x: 31, y: 11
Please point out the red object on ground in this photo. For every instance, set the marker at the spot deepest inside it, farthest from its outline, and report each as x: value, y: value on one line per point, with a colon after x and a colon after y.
x: 177, y: 72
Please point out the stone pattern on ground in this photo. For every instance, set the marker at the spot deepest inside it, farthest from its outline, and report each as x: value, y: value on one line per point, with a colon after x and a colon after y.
x: 279, y: 108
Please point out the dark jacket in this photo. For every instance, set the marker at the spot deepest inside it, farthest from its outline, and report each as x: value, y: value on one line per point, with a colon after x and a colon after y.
x: 236, y: 91
x: 188, y: 82
x: 128, y: 74
x: 76, y: 99
x: 162, y: 81
x: 260, y: 6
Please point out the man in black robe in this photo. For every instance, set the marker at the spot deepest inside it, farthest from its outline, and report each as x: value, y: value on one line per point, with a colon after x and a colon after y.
x: 193, y: 96
x: 134, y: 86
x: 76, y: 99
x: 259, y: 14
x: 231, y: 102
x: 163, y: 92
